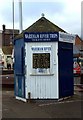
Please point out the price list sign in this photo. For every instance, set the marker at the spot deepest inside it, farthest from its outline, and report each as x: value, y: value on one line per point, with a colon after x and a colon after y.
x: 41, y: 60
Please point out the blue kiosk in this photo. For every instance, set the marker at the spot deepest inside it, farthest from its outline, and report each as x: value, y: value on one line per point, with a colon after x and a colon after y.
x: 43, y: 67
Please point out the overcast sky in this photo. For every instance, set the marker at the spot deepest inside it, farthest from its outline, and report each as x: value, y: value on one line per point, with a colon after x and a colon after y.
x: 64, y: 13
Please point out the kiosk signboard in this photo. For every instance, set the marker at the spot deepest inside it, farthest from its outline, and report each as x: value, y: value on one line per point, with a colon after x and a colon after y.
x: 41, y: 37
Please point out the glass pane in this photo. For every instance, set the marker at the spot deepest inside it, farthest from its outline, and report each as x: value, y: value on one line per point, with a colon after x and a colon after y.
x: 41, y: 60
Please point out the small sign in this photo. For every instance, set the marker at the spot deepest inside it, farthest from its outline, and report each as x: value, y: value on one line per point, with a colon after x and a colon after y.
x: 64, y: 37
x: 41, y: 48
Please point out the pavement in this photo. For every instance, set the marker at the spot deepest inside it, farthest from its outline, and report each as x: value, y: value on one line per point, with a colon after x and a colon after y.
x: 67, y: 108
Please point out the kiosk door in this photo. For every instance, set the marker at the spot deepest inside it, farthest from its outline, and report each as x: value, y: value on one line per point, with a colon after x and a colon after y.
x: 65, y: 69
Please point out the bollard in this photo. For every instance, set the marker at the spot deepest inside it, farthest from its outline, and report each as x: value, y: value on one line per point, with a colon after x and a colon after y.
x: 29, y: 97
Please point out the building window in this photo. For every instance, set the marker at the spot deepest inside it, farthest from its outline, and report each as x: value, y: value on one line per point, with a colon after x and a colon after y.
x: 41, y: 60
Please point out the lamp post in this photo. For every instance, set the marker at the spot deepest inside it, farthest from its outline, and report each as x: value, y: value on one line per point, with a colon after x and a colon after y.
x: 13, y: 31
x: 20, y: 15
x: 13, y: 17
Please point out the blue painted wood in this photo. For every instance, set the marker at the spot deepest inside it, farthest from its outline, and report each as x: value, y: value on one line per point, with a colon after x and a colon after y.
x: 19, y: 68
x: 65, y: 54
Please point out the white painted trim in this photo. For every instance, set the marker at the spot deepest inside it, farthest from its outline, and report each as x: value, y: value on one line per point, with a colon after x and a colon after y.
x: 41, y: 74
x: 57, y: 71
x: 22, y: 99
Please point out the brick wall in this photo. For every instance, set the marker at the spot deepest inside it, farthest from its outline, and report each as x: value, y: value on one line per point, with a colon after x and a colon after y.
x: 7, y: 36
x: 7, y: 39
x: 77, y: 40
x: 0, y: 39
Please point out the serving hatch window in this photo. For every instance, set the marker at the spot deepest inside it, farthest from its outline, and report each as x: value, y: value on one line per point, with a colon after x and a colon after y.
x: 41, y: 60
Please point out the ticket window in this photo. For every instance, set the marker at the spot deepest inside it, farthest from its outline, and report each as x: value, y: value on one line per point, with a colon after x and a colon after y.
x: 41, y: 63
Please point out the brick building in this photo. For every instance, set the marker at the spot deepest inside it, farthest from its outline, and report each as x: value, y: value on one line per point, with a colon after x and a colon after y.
x: 78, y: 47
x: 7, y: 36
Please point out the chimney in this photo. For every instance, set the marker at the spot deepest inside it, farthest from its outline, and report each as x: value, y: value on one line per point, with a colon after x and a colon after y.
x: 20, y: 15
x: 3, y: 27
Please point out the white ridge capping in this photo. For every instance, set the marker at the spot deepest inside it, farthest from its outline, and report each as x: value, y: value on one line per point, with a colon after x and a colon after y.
x: 66, y: 37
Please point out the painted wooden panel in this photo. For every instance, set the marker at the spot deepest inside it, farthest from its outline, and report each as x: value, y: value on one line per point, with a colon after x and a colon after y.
x: 42, y: 86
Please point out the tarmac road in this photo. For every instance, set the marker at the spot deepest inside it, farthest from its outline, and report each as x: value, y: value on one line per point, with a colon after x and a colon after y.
x: 12, y: 108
